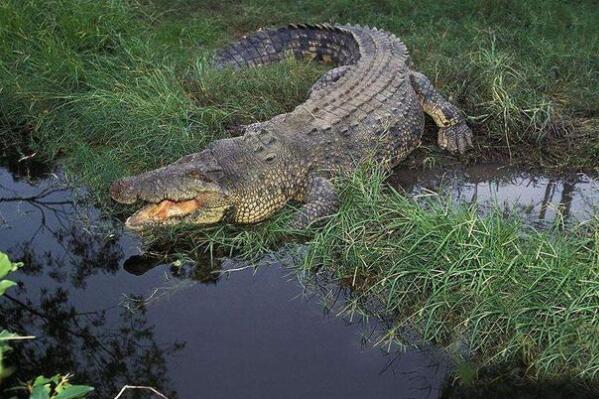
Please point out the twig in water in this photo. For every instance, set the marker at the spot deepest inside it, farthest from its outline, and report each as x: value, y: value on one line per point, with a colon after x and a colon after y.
x: 229, y: 271
x: 153, y: 390
x: 18, y: 338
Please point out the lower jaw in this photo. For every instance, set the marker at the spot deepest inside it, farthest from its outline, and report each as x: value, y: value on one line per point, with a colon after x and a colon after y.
x: 163, y: 213
x: 207, y: 217
x: 132, y: 225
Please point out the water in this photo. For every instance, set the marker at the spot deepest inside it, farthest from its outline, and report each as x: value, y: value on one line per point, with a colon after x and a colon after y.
x: 246, y: 335
x: 541, y: 199
x: 114, y: 317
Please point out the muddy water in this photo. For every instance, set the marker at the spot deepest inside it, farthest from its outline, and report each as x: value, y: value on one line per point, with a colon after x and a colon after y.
x: 114, y: 317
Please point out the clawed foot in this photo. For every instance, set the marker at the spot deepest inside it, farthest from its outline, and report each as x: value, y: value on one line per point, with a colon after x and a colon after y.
x: 455, y: 139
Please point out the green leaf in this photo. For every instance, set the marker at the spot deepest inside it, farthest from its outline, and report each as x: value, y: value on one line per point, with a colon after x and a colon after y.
x: 6, y: 266
x: 40, y: 392
x: 41, y: 380
x: 74, y: 392
x: 57, y: 378
x: 6, y: 284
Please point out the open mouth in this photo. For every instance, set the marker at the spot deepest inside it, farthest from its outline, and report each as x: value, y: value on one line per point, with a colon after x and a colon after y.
x: 172, y: 194
x: 166, y: 211
x: 204, y: 209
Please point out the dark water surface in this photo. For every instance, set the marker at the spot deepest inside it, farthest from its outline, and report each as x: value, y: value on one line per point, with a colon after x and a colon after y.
x: 242, y: 336
x: 99, y: 312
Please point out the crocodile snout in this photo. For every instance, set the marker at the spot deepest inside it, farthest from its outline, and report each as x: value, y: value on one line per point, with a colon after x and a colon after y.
x: 123, y: 191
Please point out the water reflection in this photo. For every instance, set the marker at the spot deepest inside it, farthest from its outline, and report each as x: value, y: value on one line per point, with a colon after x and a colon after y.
x: 63, y: 247
x: 199, y: 328
x: 22, y: 162
x: 541, y: 199
x: 114, y: 316
x: 73, y: 341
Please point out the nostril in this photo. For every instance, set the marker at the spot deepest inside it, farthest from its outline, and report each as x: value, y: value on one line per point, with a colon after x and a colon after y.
x: 121, y: 191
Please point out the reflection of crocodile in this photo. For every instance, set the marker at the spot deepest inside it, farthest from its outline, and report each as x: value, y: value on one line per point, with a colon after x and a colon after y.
x: 371, y: 105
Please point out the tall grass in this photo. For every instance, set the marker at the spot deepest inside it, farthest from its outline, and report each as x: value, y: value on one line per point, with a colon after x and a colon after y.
x: 117, y: 87
x: 505, y: 290
x: 120, y: 86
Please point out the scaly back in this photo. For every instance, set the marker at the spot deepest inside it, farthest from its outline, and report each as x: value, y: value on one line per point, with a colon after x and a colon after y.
x: 337, y: 125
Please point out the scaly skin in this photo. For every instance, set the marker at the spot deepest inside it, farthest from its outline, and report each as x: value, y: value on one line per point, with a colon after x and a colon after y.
x: 371, y: 105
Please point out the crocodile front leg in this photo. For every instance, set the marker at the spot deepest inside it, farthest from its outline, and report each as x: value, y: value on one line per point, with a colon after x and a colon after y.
x: 454, y: 134
x: 320, y: 200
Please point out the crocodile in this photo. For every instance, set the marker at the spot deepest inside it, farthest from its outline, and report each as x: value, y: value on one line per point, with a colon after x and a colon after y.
x: 370, y: 106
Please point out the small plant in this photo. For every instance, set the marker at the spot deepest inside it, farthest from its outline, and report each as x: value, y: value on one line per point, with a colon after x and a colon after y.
x: 6, y: 266
x: 56, y: 387
x: 5, y: 336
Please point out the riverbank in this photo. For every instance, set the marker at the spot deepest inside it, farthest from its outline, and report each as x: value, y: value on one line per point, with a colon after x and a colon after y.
x: 115, y: 88
x: 476, y: 279
x: 120, y: 87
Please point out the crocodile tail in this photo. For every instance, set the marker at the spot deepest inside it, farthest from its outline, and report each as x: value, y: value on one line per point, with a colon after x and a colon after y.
x: 320, y: 42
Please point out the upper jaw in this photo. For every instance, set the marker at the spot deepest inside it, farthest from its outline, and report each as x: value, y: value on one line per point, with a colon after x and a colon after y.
x: 130, y: 190
x: 179, y: 181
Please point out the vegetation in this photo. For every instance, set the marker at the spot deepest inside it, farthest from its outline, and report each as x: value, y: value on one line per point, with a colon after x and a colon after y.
x: 6, y: 266
x: 121, y: 86
x: 488, y: 287
x: 56, y: 387
x: 118, y: 87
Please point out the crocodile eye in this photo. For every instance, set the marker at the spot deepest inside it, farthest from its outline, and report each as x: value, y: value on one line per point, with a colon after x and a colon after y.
x: 270, y: 158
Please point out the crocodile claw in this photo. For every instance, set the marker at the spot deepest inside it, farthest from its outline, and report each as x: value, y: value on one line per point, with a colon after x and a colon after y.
x: 456, y: 139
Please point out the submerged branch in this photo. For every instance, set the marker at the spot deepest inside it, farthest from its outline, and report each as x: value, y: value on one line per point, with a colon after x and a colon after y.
x: 153, y: 390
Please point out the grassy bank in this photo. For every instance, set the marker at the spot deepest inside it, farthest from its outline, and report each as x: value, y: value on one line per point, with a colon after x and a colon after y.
x: 506, y: 292
x: 121, y: 86
x: 113, y: 88
x: 487, y: 287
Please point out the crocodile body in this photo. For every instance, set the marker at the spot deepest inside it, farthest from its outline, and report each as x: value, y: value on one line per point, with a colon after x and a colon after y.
x: 371, y: 105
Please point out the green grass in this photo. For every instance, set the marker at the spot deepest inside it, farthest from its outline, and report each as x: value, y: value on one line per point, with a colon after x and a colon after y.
x: 509, y: 292
x: 117, y: 87
x: 121, y: 86
x: 487, y: 287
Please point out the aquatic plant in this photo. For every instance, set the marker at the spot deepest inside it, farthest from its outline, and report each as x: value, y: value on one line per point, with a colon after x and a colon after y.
x: 55, y: 387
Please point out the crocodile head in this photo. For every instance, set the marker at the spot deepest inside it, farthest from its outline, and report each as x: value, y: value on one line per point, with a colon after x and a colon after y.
x: 187, y: 191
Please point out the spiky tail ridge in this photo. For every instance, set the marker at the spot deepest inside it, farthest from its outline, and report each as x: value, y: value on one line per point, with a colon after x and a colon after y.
x: 320, y: 42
